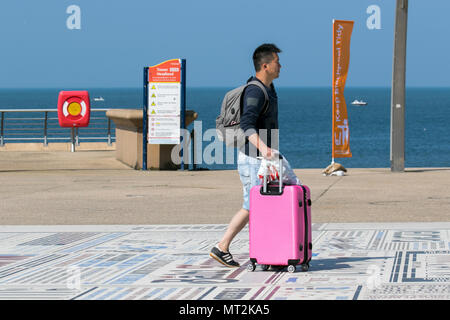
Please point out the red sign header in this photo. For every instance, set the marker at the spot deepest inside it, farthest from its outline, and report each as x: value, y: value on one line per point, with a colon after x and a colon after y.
x: 167, y: 71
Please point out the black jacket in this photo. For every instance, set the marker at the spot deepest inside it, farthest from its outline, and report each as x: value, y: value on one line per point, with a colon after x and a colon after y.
x: 252, y: 119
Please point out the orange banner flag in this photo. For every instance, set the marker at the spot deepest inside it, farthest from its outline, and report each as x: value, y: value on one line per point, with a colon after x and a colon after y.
x: 342, y: 32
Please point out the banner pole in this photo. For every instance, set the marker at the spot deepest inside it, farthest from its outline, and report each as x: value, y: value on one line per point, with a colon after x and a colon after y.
x: 340, y: 144
x: 332, y: 97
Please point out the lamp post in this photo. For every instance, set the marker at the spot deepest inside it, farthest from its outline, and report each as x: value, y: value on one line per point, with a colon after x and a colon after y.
x: 397, y: 153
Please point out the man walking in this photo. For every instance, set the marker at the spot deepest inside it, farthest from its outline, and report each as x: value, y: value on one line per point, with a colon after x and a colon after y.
x: 259, y: 121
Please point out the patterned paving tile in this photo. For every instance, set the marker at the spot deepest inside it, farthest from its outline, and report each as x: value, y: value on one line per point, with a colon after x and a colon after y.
x: 120, y: 262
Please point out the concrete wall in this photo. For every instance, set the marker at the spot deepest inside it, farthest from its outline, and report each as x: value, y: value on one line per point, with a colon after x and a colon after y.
x: 129, y: 123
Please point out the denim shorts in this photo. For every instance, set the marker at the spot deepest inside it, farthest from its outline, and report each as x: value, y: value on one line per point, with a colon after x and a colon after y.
x: 248, y: 173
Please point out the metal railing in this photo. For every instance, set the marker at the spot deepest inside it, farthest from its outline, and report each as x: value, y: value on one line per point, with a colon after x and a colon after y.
x: 26, y: 125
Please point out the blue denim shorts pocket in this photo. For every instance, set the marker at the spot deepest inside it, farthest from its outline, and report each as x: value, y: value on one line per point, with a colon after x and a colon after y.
x: 248, y: 173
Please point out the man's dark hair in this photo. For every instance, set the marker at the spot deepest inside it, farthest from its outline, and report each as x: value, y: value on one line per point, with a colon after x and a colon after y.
x: 264, y: 54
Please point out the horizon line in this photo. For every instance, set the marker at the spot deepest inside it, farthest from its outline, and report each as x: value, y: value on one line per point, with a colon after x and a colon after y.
x: 221, y: 87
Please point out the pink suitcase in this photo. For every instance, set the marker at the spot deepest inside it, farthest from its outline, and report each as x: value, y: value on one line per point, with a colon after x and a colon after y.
x: 280, y: 226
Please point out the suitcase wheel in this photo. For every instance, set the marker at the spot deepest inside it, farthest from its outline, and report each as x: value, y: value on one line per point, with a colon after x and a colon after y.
x: 264, y: 267
x: 305, y: 267
x: 291, y: 268
x: 251, y: 267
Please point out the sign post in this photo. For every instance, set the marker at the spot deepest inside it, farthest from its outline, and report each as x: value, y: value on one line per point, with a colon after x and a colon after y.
x: 164, y: 104
x: 145, y: 121
x: 183, y: 107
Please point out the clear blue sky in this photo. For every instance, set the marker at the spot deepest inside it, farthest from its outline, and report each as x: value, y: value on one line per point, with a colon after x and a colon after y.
x: 118, y: 38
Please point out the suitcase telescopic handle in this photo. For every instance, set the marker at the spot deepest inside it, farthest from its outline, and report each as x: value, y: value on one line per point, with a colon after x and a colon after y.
x: 280, y: 179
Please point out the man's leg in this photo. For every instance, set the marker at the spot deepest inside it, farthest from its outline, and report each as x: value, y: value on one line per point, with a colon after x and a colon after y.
x: 248, y: 173
x: 237, y: 223
x: 220, y: 252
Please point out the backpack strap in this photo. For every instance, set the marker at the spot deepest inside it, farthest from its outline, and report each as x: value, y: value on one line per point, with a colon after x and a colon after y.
x: 266, y: 96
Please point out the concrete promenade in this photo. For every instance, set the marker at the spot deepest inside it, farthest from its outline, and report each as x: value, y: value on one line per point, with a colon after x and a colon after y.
x: 92, y: 187
x: 84, y: 226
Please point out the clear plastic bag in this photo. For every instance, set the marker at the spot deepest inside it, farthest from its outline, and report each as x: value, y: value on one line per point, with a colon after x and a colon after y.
x: 271, y: 168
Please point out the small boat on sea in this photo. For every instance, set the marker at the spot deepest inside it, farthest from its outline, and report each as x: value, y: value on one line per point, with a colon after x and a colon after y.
x: 99, y: 99
x: 359, y: 103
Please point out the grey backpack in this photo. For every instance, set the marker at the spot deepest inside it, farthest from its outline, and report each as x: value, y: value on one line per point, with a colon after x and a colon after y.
x: 228, y: 122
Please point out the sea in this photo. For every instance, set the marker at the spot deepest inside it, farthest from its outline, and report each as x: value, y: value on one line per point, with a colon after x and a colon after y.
x: 304, y: 121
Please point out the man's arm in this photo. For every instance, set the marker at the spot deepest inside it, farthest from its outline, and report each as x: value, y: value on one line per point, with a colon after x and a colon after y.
x: 266, y: 152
